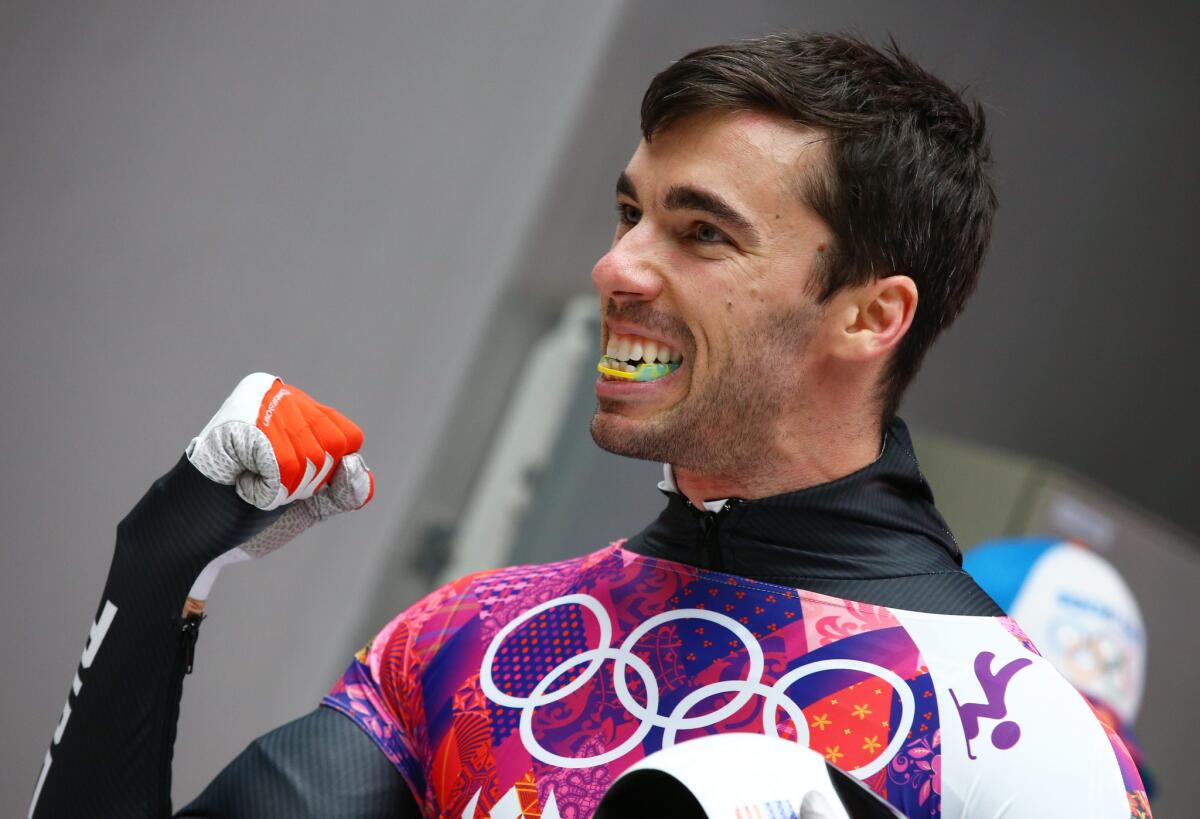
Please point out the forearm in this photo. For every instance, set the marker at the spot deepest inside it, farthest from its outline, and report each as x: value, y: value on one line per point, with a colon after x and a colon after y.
x: 112, y: 749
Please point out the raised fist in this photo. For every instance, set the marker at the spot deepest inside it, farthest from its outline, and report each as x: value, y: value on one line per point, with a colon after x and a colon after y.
x: 278, y: 446
x: 273, y: 441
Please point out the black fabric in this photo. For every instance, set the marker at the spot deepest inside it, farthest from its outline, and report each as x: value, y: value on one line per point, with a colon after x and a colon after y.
x: 321, y: 766
x: 113, y: 758
x: 114, y: 754
x: 874, y: 536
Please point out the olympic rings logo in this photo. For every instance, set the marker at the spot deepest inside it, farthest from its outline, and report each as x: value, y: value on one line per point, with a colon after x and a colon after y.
x: 678, y: 719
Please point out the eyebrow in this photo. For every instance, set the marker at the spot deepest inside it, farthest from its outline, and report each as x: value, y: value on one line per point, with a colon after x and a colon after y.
x: 685, y: 197
x: 625, y: 186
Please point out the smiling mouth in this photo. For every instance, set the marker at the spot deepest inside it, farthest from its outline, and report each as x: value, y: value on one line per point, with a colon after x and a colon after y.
x: 628, y: 372
x: 633, y: 358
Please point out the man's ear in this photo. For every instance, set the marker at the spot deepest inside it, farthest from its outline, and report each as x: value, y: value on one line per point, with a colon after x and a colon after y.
x: 873, y: 317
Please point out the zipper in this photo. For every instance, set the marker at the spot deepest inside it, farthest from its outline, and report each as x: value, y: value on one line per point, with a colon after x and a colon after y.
x: 710, y: 545
x: 710, y: 549
x: 189, y: 633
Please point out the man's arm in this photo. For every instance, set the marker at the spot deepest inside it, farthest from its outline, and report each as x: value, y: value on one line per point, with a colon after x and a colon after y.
x: 111, y: 751
x: 240, y: 491
x: 320, y: 766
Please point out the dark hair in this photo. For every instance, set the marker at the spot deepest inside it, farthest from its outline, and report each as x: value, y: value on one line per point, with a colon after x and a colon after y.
x: 907, y: 189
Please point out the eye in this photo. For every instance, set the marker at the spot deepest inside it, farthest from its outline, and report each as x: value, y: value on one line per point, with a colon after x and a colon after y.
x: 627, y: 214
x: 707, y: 234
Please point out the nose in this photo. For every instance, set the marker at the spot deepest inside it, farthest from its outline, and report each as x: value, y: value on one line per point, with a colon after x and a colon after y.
x: 629, y: 271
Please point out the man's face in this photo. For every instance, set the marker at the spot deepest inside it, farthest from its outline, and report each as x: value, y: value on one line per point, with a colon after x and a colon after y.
x: 713, y: 254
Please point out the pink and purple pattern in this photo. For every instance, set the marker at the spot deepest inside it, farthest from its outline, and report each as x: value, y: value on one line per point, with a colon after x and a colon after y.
x: 539, y: 685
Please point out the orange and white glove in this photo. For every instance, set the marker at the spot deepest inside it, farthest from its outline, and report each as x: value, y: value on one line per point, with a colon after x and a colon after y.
x: 278, y: 446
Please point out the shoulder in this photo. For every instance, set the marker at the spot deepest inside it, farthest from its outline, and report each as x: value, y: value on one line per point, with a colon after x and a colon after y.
x: 1014, y: 733
x: 486, y: 599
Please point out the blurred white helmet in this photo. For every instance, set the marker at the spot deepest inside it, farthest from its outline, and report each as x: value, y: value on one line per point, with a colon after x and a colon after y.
x: 739, y: 776
x: 1076, y: 608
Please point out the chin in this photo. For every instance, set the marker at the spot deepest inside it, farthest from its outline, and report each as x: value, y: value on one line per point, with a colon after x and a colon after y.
x: 631, y: 437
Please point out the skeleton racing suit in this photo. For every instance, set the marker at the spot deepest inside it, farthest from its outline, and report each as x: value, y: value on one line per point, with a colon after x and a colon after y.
x: 837, y: 616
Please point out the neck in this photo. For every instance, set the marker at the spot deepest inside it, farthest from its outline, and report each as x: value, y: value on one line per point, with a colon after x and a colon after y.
x: 826, y: 453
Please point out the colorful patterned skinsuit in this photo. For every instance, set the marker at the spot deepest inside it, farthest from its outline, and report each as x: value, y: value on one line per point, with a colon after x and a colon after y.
x: 525, y: 691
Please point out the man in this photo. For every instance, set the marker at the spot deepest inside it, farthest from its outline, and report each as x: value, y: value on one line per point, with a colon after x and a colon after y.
x: 802, y: 218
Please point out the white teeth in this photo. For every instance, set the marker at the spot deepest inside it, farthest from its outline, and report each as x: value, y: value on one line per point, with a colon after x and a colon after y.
x: 635, y: 348
x: 623, y: 344
x: 629, y: 368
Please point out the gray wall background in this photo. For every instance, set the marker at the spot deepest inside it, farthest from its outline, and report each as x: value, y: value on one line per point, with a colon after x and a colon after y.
x: 385, y: 202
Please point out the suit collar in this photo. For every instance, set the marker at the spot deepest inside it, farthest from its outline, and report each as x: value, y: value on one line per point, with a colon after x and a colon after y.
x: 876, y: 524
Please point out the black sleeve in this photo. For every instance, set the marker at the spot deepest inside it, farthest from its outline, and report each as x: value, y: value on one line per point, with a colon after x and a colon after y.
x: 321, y: 766
x: 111, y: 752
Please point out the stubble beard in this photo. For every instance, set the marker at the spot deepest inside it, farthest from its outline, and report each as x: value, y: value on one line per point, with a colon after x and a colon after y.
x: 729, y: 424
